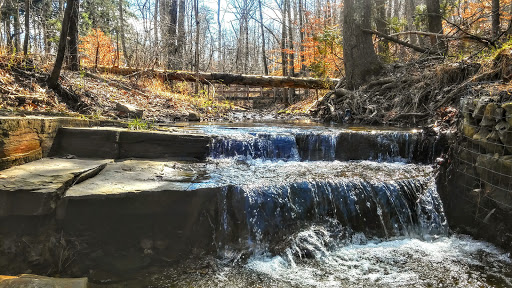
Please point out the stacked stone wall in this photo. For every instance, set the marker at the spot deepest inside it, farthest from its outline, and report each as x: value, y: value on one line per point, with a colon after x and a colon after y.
x: 480, y: 194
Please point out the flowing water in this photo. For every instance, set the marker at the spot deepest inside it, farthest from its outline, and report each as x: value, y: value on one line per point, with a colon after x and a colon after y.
x: 311, y: 207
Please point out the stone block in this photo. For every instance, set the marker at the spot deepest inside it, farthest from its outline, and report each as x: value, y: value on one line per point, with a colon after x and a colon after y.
x: 139, y: 144
x: 86, y: 142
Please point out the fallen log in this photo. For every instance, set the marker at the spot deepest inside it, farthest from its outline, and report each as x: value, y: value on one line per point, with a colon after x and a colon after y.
x: 236, y: 79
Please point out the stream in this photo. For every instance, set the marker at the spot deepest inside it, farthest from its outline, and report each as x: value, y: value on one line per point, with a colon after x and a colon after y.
x: 310, y: 206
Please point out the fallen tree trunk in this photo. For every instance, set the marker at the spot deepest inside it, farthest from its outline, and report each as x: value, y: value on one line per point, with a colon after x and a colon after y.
x: 236, y: 79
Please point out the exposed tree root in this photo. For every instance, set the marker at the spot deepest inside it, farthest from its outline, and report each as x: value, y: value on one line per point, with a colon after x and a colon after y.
x: 415, y: 95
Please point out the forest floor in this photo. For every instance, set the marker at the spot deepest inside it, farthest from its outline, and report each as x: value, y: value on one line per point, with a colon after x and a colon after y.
x: 425, y: 92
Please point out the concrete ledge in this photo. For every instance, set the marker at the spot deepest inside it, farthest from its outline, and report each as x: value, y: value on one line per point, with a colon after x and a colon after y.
x: 114, y: 143
x: 133, y: 144
x: 86, y: 143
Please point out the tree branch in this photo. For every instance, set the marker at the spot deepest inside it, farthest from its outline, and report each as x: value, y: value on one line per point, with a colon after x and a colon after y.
x: 398, y: 41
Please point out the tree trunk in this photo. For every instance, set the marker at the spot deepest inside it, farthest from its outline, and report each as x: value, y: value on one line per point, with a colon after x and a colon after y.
x: 219, y: 40
x: 17, y: 28
x: 382, y: 25
x: 301, y: 35
x: 46, y: 16
x: 284, y: 55
x: 172, y: 57
x: 196, y: 57
x: 435, y: 25
x: 233, y: 79
x: 410, y: 11
x: 263, y: 49
x: 121, y: 31
x: 54, y: 76
x: 27, y: 27
x: 495, y: 15
x: 180, y: 46
x: 155, y: 29
x: 74, y: 61
x: 361, y: 62
x: 291, y: 56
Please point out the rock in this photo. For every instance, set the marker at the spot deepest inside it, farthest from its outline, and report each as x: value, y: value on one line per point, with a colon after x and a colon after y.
x: 27, y: 280
x: 486, y: 138
x: 489, y: 118
x: 35, y: 188
x: 482, y: 134
x: 194, y: 116
x: 480, y: 106
x: 492, y: 143
x: 508, y: 112
x: 468, y: 108
x: 468, y: 129
x: 25, y: 139
x: 496, y: 170
x: 129, y: 110
x: 504, y: 131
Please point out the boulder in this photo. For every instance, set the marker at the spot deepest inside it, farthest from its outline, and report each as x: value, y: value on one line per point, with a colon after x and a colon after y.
x: 468, y: 128
x: 490, y: 113
x: 194, y: 116
x: 486, y: 138
x: 129, y: 110
x: 480, y: 106
x: 504, y: 131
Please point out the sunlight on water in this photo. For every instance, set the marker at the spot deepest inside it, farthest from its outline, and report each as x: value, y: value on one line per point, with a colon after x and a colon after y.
x: 445, y: 262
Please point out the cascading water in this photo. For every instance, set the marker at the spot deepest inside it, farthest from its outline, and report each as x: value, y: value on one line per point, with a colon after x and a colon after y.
x: 307, y: 217
x: 321, y: 207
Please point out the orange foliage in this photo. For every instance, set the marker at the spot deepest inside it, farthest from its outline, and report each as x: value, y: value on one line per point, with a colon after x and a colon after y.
x: 98, y: 48
x: 476, y: 15
x: 321, y: 50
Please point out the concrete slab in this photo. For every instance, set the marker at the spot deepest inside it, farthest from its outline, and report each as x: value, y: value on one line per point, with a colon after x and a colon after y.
x: 28, y: 280
x: 35, y: 188
x: 137, y: 176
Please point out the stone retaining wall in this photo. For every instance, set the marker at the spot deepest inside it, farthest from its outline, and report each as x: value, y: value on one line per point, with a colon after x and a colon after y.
x: 478, y: 199
x: 25, y: 139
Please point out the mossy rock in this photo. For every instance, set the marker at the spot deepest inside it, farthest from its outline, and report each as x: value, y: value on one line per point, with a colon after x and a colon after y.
x: 468, y: 128
x: 490, y: 114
